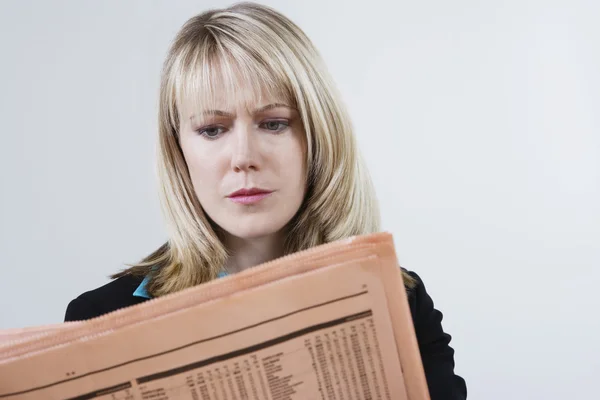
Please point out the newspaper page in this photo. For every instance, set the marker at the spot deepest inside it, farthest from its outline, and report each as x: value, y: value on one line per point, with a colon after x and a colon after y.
x: 326, y: 330
x: 18, y: 334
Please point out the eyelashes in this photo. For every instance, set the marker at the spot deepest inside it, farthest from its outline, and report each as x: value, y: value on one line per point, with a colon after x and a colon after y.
x: 274, y: 125
x: 211, y: 132
x: 215, y: 131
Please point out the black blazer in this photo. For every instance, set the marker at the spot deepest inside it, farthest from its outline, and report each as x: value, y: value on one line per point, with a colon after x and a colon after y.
x: 437, y: 355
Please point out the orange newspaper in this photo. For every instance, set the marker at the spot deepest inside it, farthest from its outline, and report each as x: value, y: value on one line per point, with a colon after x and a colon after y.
x: 331, y: 322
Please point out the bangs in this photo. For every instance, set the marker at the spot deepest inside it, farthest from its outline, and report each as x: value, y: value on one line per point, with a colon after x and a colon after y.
x: 223, y: 75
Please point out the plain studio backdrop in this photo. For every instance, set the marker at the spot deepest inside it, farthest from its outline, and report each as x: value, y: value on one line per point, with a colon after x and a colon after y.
x: 479, y: 121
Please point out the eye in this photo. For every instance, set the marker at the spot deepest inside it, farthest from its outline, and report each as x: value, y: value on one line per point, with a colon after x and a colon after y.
x: 274, y: 125
x: 211, y: 132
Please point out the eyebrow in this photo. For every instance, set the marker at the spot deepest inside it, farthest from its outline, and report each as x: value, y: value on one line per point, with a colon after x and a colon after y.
x: 271, y: 106
x: 221, y: 113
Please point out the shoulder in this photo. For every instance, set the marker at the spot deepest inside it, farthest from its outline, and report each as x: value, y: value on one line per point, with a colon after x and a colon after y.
x: 110, y: 297
x: 434, y: 344
x: 427, y: 319
x: 416, y: 292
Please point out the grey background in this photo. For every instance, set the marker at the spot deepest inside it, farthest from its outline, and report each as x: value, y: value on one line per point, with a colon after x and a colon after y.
x: 478, y: 119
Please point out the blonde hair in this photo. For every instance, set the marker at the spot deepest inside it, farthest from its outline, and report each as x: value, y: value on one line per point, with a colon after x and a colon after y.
x: 242, y: 53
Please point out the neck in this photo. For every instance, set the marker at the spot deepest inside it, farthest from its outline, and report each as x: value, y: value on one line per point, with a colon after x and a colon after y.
x: 247, y: 253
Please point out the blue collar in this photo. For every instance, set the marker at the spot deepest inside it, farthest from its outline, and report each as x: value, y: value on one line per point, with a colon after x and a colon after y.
x: 141, y: 289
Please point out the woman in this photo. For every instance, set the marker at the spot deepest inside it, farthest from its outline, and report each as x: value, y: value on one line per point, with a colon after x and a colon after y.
x: 257, y: 159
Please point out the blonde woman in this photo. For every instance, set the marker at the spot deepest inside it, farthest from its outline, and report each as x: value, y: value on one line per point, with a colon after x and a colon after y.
x: 256, y: 159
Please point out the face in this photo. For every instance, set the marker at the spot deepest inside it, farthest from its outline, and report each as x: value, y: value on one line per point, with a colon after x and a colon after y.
x: 247, y: 166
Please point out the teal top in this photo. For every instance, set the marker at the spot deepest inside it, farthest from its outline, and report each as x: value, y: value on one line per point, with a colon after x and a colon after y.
x: 141, y: 289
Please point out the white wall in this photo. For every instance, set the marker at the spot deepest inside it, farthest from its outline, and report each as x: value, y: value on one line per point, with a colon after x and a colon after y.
x: 479, y: 120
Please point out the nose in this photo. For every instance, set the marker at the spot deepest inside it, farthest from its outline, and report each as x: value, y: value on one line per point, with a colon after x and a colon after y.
x: 245, y: 151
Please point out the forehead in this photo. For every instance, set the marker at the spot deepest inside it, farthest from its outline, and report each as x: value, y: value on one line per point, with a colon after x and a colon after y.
x: 225, y: 85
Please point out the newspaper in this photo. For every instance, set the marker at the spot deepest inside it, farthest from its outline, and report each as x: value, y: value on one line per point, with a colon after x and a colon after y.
x: 331, y: 322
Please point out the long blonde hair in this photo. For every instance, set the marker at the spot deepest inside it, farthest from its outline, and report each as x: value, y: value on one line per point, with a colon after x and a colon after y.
x: 249, y: 51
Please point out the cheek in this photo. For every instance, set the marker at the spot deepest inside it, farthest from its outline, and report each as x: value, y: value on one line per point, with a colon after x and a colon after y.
x: 293, y: 163
x: 203, y: 164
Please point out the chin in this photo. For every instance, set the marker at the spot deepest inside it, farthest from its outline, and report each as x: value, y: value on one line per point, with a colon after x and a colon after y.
x: 252, y: 232
x: 254, y: 227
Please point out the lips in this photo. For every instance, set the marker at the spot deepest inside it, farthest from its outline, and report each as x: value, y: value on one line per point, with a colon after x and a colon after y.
x: 249, y: 196
x: 249, y: 192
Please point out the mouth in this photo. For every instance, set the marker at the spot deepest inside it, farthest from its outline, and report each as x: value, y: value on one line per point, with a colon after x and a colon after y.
x: 249, y: 196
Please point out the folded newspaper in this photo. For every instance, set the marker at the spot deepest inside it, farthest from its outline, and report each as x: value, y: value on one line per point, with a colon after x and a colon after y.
x: 331, y: 322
